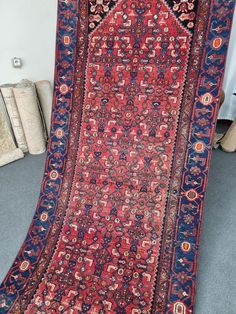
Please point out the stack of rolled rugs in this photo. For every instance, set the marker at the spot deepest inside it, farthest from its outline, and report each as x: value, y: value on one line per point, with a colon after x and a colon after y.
x: 25, y: 118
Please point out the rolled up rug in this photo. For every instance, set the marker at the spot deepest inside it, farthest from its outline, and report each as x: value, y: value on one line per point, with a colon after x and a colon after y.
x: 10, y: 156
x: 45, y: 95
x: 27, y: 104
x: 228, y: 142
x: 218, y: 136
x: 8, y: 150
x: 12, y: 110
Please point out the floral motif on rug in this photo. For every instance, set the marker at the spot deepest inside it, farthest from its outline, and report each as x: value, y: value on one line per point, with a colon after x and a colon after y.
x: 116, y: 229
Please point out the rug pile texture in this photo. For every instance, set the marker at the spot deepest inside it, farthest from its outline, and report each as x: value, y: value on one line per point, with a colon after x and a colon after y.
x: 116, y: 230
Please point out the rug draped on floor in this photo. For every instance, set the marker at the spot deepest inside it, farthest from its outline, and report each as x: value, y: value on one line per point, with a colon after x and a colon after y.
x: 116, y: 229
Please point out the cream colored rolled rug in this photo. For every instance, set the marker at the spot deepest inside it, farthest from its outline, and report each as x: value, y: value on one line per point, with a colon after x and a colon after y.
x: 8, y: 150
x: 10, y: 102
x: 45, y: 95
x: 228, y: 142
x: 27, y: 104
x: 217, y: 139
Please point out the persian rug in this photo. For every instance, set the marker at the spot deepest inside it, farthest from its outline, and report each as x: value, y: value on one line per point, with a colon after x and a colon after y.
x: 116, y: 230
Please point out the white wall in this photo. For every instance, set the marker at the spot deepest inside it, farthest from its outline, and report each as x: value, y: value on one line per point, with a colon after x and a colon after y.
x: 27, y: 30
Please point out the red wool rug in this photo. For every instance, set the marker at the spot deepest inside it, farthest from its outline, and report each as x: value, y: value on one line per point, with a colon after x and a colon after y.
x: 116, y: 230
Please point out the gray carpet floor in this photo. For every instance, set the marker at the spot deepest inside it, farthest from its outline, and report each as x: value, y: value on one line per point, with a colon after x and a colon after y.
x: 216, y: 283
